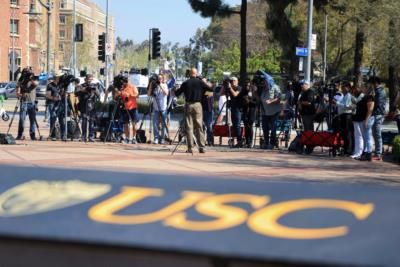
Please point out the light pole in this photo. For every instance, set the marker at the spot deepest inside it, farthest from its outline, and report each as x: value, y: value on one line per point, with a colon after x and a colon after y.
x: 107, y: 56
x: 309, y: 39
x: 325, y: 46
x: 13, y: 49
x: 74, y: 41
x: 33, y: 12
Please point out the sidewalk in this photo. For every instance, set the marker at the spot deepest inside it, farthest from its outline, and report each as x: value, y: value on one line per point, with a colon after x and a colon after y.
x: 253, y: 164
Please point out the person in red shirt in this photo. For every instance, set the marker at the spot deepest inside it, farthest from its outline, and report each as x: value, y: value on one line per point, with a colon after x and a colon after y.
x: 129, y: 94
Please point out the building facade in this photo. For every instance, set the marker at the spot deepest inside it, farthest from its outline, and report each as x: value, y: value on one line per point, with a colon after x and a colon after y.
x: 14, y: 41
x: 94, y: 24
x: 23, y: 40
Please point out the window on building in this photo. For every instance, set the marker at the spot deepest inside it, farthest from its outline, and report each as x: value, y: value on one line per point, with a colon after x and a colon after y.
x: 14, y: 26
x: 17, y: 58
x: 62, y: 34
x: 63, y: 4
x: 61, y: 47
x: 14, y: 2
x: 63, y: 19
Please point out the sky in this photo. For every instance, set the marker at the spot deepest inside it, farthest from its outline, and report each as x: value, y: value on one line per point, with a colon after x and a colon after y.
x: 175, y: 19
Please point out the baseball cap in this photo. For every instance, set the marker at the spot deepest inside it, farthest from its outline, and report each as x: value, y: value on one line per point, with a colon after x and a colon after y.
x: 305, y: 82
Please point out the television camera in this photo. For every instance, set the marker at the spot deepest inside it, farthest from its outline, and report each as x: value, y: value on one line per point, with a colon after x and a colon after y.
x: 27, y: 76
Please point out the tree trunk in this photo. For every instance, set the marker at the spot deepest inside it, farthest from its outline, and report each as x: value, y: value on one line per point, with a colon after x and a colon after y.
x: 393, y: 82
x: 243, y: 43
x: 358, y: 55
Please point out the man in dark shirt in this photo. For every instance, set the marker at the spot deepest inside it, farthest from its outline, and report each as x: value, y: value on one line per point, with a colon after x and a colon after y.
x: 88, y: 93
x: 235, y: 101
x: 378, y: 115
x: 306, y: 106
x: 26, y: 93
x: 194, y: 90
x: 56, y: 109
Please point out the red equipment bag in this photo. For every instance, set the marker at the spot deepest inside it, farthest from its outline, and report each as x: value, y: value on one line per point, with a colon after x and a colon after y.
x: 322, y: 139
x: 223, y: 131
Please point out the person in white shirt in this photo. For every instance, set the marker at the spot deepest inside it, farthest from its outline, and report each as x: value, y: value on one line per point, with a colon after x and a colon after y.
x: 158, y: 89
x: 345, y: 112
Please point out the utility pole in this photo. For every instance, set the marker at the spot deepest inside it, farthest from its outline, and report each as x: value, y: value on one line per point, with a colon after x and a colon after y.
x: 149, y: 56
x: 48, y: 7
x: 32, y: 12
x: 13, y: 49
x: 243, y: 43
x: 325, y: 46
x: 107, y: 44
x: 74, y: 41
x: 309, y: 39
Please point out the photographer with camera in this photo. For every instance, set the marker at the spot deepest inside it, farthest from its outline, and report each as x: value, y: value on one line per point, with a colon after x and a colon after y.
x: 250, y: 102
x: 235, y: 100
x: 158, y: 90
x: 56, y: 108
x: 26, y: 93
x: 87, y: 94
x: 128, y: 94
x: 194, y: 89
x: 271, y: 108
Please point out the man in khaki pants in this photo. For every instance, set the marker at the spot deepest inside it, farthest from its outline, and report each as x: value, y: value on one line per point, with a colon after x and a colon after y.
x: 194, y: 89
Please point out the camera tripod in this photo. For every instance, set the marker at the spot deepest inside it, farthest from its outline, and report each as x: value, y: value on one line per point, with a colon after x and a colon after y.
x: 117, y: 107
x: 18, y: 104
x: 181, y: 134
x: 65, y: 107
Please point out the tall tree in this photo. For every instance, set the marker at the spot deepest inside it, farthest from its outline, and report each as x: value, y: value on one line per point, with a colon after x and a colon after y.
x: 212, y: 8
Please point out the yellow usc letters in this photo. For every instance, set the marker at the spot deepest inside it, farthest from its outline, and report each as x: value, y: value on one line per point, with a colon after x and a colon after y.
x: 264, y: 220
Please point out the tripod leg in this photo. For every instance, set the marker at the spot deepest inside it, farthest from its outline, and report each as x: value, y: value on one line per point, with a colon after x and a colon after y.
x: 53, y: 121
x: 13, y: 116
x: 179, y: 141
x: 111, y: 122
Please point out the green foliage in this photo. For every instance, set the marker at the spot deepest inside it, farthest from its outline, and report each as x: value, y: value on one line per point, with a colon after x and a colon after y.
x: 228, y: 61
x: 131, y: 54
x: 268, y: 60
x: 210, y: 8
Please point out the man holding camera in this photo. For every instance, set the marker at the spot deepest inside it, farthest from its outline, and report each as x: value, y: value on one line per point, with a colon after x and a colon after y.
x: 56, y: 109
x: 87, y: 94
x: 26, y: 92
x: 158, y: 89
x: 235, y: 101
x: 128, y: 95
x: 271, y: 108
x: 307, y: 106
x: 194, y: 89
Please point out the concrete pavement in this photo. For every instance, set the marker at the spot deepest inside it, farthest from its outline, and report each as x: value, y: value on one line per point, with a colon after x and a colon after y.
x: 217, y: 162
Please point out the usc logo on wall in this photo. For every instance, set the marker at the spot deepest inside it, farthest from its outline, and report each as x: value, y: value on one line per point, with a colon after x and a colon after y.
x: 36, y: 197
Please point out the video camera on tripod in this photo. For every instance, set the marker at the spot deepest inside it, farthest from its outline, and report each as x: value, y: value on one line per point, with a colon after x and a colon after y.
x: 154, y: 82
x: 27, y: 76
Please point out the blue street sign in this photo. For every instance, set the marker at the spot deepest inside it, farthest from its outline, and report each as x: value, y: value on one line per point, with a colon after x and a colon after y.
x: 301, y: 52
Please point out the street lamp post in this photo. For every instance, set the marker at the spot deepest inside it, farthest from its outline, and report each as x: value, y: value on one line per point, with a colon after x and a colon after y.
x: 107, y: 56
x: 74, y: 41
x: 13, y: 49
x: 309, y: 39
x: 32, y: 11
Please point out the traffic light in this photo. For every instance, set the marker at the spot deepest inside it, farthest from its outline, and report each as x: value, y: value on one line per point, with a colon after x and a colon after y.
x: 156, y: 44
x: 102, y: 47
x: 78, y: 32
